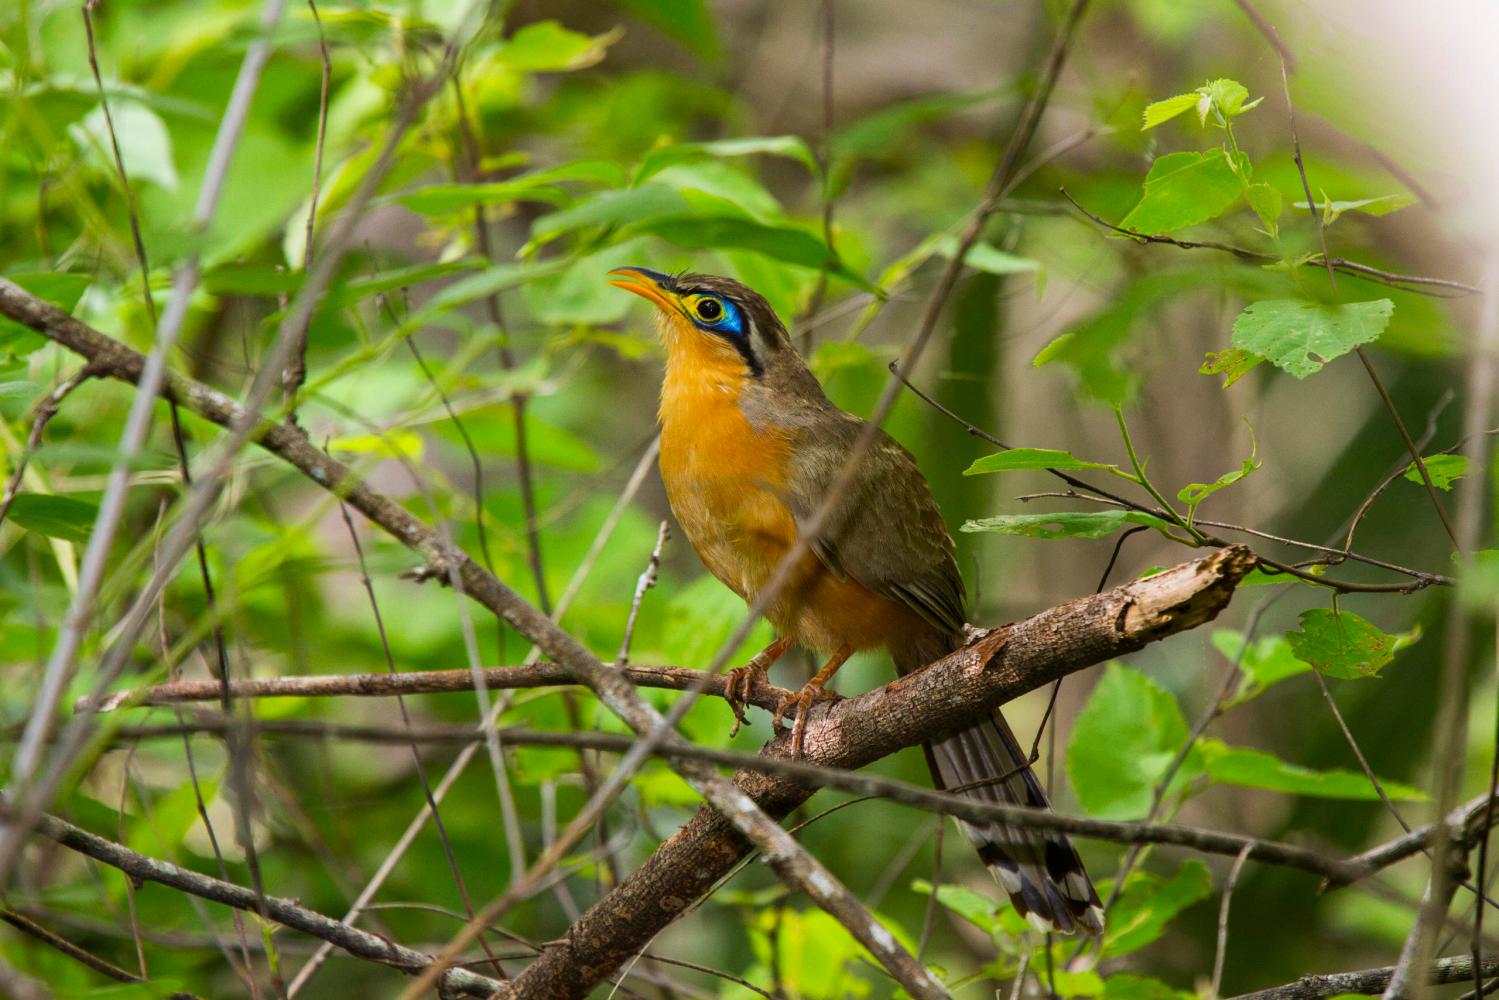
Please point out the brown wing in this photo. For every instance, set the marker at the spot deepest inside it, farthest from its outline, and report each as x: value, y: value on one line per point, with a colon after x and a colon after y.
x: 886, y: 531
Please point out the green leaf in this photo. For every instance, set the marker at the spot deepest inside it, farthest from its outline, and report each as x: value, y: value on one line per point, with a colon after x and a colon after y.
x: 546, y: 46
x: 1383, y: 205
x: 1267, y: 203
x: 1232, y: 365
x: 145, y: 143
x: 1184, y: 189
x: 1224, y: 96
x: 1195, y: 493
x: 1444, y: 470
x: 1163, y: 111
x: 18, y: 390
x: 1128, y: 986
x: 1478, y: 585
x: 1249, y: 768
x: 1300, y: 337
x: 784, y: 243
x: 1148, y: 903
x: 1341, y: 644
x: 790, y: 146
x: 538, y: 185
x: 978, y: 909
x: 1031, y: 458
x: 611, y: 208
x: 1267, y: 661
x: 686, y: 21
x: 56, y: 516
x: 1081, y: 524
x: 1122, y: 743
x: 983, y: 257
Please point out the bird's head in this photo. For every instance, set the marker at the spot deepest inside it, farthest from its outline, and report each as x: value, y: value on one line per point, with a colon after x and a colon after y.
x: 715, y: 324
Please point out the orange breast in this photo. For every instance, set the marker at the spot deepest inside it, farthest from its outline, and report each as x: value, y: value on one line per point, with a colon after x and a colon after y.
x: 726, y: 481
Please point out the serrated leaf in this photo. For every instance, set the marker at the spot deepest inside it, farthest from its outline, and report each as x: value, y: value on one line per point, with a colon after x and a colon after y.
x: 1225, y: 96
x: 1249, y: 768
x: 1184, y: 189
x: 1122, y: 743
x: 55, y: 516
x: 1444, y: 470
x: 1300, y: 337
x: 1382, y: 205
x: 1163, y: 111
x: 1031, y: 458
x: 1231, y: 364
x: 1080, y: 524
x: 1148, y: 903
x: 1341, y: 644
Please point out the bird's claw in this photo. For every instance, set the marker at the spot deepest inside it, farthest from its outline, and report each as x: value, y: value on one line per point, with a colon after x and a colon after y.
x: 803, y: 700
x: 737, y: 687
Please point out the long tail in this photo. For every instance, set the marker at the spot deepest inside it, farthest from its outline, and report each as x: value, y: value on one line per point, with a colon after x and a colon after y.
x: 1040, y: 870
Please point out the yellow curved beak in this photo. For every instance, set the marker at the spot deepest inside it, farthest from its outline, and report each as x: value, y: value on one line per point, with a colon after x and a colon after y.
x: 647, y: 284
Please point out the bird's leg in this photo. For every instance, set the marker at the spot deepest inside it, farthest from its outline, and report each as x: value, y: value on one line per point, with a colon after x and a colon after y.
x: 741, y: 680
x: 809, y: 694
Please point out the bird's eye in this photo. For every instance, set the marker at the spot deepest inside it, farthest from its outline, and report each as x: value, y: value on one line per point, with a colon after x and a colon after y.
x: 708, y: 309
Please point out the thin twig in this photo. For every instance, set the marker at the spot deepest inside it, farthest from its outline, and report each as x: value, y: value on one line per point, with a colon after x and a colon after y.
x: 1222, y: 948
x: 646, y: 582
x: 295, y: 373
x: 1403, y: 282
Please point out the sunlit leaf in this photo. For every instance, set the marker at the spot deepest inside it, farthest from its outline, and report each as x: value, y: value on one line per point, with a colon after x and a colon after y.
x: 1160, y: 112
x: 145, y: 143
x: 538, y: 185
x: 1300, y: 337
x: 789, y: 146
x: 1184, y: 189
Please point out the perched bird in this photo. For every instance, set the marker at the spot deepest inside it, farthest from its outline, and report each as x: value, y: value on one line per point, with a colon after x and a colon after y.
x: 750, y: 446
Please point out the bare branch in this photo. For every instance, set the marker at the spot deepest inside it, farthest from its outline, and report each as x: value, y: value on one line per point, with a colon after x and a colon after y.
x: 1368, y: 981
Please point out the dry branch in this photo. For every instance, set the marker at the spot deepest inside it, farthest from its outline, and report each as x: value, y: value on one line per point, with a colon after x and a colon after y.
x: 287, y: 441
x: 363, y: 944
x: 1368, y: 981
x: 927, y: 705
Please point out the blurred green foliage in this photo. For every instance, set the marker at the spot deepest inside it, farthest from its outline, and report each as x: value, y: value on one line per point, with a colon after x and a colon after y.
x: 642, y: 132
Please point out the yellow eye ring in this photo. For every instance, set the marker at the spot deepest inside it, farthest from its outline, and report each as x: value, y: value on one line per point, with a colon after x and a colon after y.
x: 708, y: 309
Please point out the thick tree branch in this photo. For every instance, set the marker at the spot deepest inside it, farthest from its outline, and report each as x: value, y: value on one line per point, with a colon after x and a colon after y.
x: 929, y: 704
x: 789, y: 859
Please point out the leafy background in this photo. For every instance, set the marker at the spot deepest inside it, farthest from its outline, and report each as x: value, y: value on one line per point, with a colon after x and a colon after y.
x: 677, y: 134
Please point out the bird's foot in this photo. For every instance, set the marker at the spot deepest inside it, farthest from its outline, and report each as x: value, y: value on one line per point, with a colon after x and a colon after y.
x: 810, y: 694
x: 740, y: 682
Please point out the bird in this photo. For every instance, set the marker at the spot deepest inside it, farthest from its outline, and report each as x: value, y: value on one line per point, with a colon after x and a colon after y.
x: 750, y: 447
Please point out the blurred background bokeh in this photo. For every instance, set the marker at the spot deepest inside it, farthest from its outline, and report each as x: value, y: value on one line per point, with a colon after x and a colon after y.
x: 624, y: 96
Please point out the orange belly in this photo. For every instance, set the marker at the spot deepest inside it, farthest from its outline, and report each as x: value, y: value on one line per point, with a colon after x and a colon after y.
x: 726, y: 483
